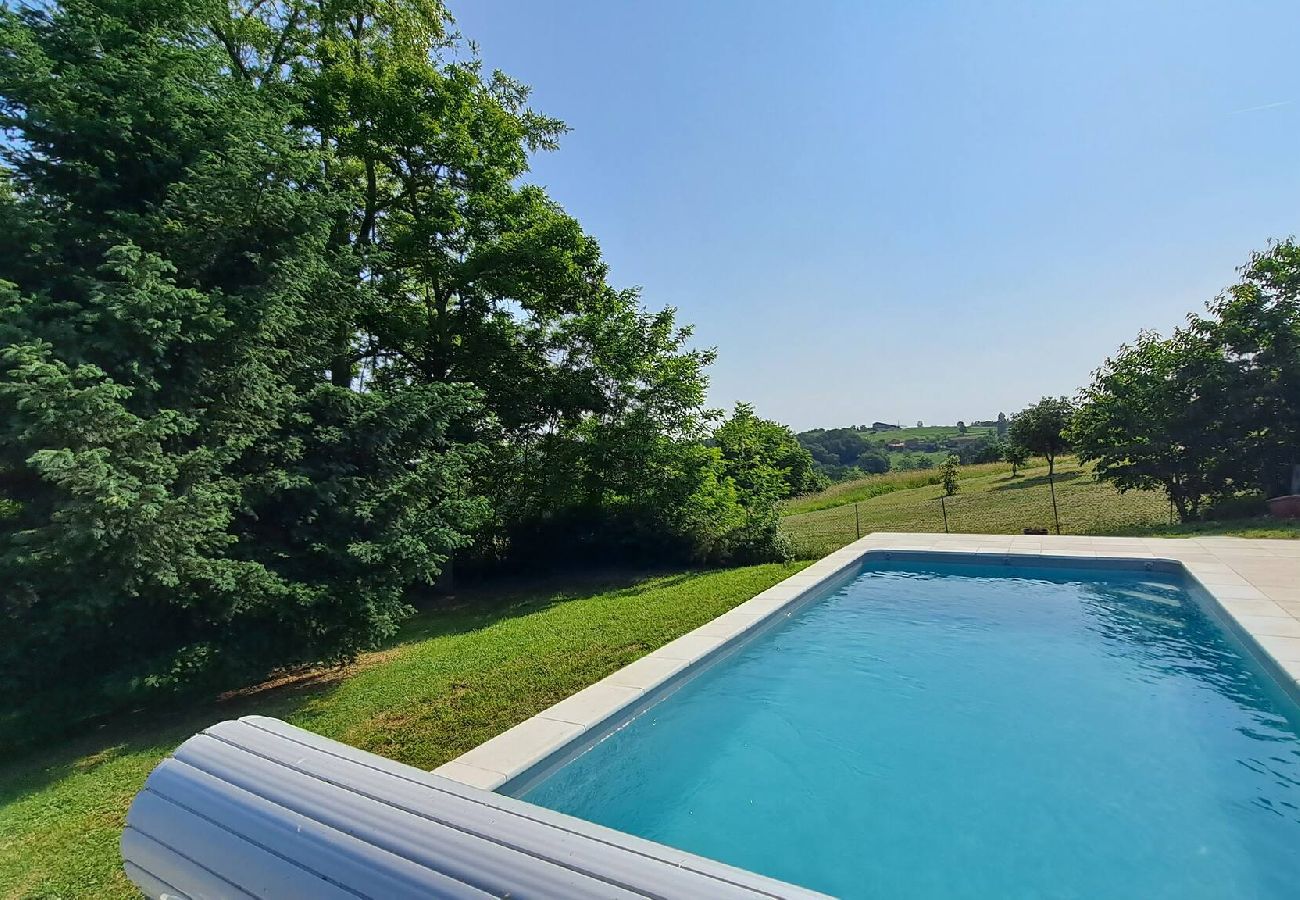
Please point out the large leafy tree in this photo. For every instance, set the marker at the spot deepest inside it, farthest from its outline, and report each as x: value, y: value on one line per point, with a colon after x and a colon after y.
x: 1213, y: 410
x: 285, y: 328
x: 765, y: 457
x: 1255, y: 325
x: 1151, y: 419
x: 185, y: 498
x: 460, y: 272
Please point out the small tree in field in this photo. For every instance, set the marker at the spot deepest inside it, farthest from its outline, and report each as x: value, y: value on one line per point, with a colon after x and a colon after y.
x: 950, y: 485
x: 1041, y: 429
x: 1017, y: 455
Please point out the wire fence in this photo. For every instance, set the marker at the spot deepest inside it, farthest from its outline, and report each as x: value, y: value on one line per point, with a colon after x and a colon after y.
x: 1005, y: 507
x: 817, y: 533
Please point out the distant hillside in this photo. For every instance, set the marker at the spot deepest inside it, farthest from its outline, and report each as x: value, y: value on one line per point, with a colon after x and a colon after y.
x: 851, y: 452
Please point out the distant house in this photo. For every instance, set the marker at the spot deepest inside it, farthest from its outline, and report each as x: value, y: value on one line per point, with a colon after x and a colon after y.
x: 896, y: 446
x: 883, y: 426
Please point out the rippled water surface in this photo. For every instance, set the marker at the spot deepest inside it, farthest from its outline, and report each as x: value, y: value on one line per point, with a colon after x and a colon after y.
x: 968, y: 731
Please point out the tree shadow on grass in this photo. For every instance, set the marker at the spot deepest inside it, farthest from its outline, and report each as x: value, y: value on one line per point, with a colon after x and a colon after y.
x: 1252, y: 527
x: 1019, y: 484
x: 28, y: 768
x: 480, y: 603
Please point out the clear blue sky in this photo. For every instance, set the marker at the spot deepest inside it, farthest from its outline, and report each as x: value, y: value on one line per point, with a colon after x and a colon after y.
x: 913, y: 210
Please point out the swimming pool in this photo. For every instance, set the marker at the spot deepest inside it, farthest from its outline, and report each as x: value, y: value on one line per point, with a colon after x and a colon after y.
x: 930, y: 728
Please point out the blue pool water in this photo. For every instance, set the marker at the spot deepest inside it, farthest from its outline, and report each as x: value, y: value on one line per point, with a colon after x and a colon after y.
x: 971, y: 731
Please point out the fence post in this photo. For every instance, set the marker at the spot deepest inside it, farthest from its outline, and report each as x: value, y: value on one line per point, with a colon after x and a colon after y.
x: 944, y: 506
x: 1056, y: 516
x: 857, y: 521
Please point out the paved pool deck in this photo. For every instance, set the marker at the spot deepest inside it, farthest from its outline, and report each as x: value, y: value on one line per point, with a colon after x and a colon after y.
x: 1255, y: 584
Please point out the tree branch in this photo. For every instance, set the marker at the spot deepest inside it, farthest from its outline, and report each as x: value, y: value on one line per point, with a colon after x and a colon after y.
x: 236, y: 59
x: 276, y: 60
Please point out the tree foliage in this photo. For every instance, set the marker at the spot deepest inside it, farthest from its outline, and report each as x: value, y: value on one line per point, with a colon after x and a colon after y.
x: 1016, y: 455
x: 1042, y: 429
x: 1212, y: 410
x: 1148, y: 420
x: 909, y: 462
x: 844, y: 453
x: 949, y: 473
x: 762, y: 456
x: 191, y: 503
x: 285, y: 328
x: 1255, y: 326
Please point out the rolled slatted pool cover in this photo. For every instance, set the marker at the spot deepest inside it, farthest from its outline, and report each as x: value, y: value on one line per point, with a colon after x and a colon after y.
x: 259, y: 808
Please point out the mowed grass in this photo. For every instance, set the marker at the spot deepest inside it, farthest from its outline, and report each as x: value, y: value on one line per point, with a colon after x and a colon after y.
x: 1259, y: 527
x: 455, y: 678
x: 991, y: 501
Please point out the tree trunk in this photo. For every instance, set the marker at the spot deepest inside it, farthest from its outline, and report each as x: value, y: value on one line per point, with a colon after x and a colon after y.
x: 341, y: 365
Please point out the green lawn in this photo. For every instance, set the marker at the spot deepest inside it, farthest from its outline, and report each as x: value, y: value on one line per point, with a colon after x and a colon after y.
x: 1262, y: 527
x: 455, y: 678
x: 992, y: 502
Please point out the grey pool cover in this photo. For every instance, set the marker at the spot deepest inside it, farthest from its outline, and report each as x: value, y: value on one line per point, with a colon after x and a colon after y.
x: 258, y: 808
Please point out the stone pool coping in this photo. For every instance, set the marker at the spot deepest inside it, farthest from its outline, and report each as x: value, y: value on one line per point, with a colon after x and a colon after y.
x: 1255, y: 582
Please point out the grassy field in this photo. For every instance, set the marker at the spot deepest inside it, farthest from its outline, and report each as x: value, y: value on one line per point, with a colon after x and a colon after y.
x: 876, y: 485
x: 992, y: 502
x: 928, y: 433
x: 455, y: 678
